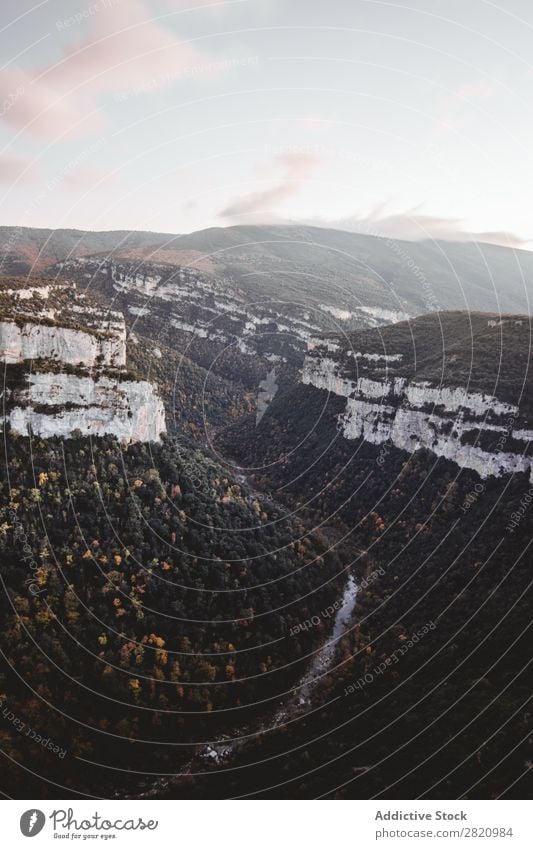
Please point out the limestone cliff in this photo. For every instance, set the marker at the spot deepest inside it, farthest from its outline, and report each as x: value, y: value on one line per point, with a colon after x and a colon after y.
x: 453, y: 385
x: 65, y: 367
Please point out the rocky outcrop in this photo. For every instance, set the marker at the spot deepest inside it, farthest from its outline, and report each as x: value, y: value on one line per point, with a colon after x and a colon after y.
x: 75, y: 380
x: 411, y: 429
x: 33, y: 340
x: 59, y: 404
x: 473, y: 429
x: 192, y: 306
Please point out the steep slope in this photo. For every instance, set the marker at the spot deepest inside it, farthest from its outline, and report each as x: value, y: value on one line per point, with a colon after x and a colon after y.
x: 147, y: 595
x: 457, y: 385
x: 31, y: 250
x: 428, y: 694
x: 148, y: 599
x: 186, y: 605
x: 241, y: 303
x: 65, y: 366
x: 349, y: 270
x: 345, y: 271
x: 211, y: 322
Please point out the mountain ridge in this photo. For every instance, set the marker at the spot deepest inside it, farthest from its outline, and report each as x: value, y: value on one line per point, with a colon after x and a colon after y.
x: 376, y: 270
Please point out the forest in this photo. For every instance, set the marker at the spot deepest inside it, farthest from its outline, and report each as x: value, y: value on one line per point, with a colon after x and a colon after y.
x: 148, y: 599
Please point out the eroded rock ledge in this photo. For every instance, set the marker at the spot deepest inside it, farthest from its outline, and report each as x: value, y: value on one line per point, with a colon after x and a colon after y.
x: 65, y: 368
x: 475, y: 429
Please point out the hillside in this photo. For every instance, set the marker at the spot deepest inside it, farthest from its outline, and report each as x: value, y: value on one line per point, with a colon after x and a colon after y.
x: 175, y: 585
x: 241, y: 303
x: 332, y: 267
x: 454, y: 384
x: 429, y: 692
x: 148, y: 597
x: 31, y: 250
x: 428, y: 696
x: 373, y: 271
x: 65, y: 366
x: 485, y: 352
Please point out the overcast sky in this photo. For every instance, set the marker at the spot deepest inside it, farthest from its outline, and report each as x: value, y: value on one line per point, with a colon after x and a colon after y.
x: 407, y: 119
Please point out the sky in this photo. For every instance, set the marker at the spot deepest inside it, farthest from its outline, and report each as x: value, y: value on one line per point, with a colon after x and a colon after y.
x: 410, y: 120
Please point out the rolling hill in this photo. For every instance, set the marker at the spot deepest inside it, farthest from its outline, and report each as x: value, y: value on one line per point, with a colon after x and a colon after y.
x: 335, y: 267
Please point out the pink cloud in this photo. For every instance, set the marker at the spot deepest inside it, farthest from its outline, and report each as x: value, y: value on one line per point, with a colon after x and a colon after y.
x: 181, y: 5
x: 86, y: 177
x: 15, y: 168
x: 122, y: 48
x: 296, y: 168
x: 414, y: 225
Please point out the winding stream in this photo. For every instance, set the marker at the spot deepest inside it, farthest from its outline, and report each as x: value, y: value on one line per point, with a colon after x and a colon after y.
x: 325, y: 656
x: 222, y: 749
x: 226, y: 746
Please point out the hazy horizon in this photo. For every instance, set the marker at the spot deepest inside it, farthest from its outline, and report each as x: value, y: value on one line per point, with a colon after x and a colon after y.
x: 460, y: 238
x: 169, y: 116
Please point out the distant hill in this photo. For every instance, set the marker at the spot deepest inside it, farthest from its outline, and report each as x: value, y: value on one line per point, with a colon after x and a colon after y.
x: 30, y: 250
x: 334, y: 267
x: 414, y: 276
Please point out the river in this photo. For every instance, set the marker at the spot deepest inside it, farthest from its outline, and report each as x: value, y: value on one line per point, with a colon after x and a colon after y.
x: 221, y: 750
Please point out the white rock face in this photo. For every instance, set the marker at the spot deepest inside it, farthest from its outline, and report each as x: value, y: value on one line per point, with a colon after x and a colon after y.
x: 376, y: 358
x: 327, y: 344
x: 32, y: 341
x: 336, y: 312
x: 411, y: 423
x: 324, y: 373
x: 95, y: 403
x: 385, y: 315
x: 411, y: 430
x: 126, y: 409
x: 455, y: 399
x: 24, y: 294
x: 201, y: 332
